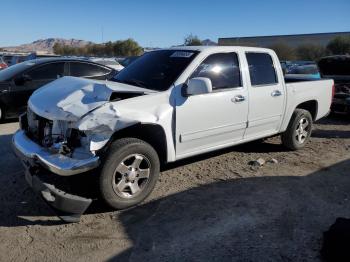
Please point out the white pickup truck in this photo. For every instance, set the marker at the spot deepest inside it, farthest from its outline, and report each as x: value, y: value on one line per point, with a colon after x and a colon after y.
x: 168, y: 105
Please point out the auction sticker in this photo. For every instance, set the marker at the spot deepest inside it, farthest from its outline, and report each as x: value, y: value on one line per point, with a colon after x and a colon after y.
x: 182, y: 54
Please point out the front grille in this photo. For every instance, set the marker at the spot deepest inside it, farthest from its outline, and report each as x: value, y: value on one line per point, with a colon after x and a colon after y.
x: 37, y: 126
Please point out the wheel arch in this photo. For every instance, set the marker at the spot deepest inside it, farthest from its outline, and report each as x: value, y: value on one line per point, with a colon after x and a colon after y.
x: 311, y: 106
x: 151, y: 133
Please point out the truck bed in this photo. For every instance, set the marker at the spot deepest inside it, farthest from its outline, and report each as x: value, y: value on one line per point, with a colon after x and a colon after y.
x: 318, y: 91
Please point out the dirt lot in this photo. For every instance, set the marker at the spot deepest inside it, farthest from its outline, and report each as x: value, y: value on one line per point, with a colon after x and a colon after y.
x: 212, y: 207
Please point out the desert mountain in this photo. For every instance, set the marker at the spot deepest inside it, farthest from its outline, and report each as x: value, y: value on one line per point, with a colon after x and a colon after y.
x: 46, y: 45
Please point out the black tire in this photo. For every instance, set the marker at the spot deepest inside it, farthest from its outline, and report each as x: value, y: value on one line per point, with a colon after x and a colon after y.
x: 290, y: 137
x: 118, y: 154
x: 2, y: 114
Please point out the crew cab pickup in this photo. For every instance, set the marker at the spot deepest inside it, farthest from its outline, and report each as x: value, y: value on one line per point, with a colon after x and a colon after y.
x: 168, y: 105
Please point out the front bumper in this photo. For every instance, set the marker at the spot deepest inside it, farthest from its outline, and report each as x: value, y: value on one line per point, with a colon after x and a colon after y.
x: 34, y: 158
x: 32, y: 153
x: 68, y: 207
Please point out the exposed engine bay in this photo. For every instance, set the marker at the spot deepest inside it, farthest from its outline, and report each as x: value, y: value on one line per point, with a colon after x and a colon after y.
x: 61, y: 136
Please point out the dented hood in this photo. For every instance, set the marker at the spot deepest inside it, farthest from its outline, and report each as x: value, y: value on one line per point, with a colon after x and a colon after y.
x: 70, y: 98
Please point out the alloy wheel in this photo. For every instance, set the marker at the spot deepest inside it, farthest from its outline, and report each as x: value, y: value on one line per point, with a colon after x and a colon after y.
x: 302, y: 130
x: 131, y: 176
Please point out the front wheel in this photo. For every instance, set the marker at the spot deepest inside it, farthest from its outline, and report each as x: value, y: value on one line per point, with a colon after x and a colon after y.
x: 129, y: 174
x: 299, y: 130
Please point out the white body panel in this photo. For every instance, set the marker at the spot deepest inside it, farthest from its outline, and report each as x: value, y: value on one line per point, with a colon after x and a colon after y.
x: 201, y: 123
x: 299, y: 92
x: 265, y: 109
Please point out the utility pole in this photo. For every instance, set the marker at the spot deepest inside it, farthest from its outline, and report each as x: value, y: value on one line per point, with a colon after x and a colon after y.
x: 102, y: 34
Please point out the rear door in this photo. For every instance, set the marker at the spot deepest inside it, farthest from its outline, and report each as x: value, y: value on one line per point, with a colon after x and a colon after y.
x: 209, y: 121
x: 89, y: 70
x: 266, y: 95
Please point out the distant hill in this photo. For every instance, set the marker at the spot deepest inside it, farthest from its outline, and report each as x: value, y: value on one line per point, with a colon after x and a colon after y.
x: 209, y: 42
x: 46, y: 45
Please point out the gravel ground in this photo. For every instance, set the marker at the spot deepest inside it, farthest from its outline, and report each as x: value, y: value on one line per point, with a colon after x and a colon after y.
x: 212, y: 207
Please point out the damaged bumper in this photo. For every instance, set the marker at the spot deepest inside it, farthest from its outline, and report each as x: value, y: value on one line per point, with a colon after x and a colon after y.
x: 30, y: 152
x: 68, y: 207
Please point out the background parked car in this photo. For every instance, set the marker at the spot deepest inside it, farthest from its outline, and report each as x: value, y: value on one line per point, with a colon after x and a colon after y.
x: 7, y: 59
x: 110, y: 62
x: 3, y: 65
x: 338, y: 68
x: 12, y: 59
x: 18, y: 82
x: 302, y: 72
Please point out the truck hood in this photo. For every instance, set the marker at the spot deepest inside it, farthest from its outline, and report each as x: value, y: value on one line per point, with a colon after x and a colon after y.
x: 70, y: 98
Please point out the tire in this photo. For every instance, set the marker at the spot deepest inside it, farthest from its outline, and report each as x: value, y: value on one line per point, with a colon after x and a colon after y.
x: 296, y: 137
x: 129, y: 173
x: 2, y: 114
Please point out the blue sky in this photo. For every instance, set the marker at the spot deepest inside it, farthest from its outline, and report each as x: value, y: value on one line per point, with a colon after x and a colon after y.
x: 164, y: 23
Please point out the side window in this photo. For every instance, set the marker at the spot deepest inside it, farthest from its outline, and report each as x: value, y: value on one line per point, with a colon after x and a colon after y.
x: 222, y: 69
x: 261, y: 69
x: 48, y: 71
x: 87, y: 70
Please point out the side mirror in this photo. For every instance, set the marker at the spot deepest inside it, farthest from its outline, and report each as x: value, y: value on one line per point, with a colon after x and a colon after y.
x: 22, y: 79
x: 197, y: 86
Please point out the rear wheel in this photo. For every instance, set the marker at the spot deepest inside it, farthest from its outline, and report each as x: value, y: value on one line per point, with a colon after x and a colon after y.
x: 129, y: 174
x: 2, y: 114
x: 299, y: 130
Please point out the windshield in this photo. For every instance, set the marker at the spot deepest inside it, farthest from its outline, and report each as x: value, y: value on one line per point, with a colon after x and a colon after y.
x: 11, y: 71
x: 156, y: 70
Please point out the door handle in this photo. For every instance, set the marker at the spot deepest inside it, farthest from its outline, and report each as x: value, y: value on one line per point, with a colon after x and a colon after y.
x: 238, y: 99
x: 276, y: 93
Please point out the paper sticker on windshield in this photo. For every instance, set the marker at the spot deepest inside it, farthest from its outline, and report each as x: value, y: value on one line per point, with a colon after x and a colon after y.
x: 182, y: 54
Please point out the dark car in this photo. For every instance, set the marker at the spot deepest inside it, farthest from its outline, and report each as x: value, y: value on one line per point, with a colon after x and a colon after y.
x: 19, y: 81
x: 338, y: 68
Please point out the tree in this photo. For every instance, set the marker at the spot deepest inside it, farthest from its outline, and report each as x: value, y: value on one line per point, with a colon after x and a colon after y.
x: 339, y: 45
x: 128, y: 47
x: 57, y: 48
x: 192, y: 40
x: 283, y: 51
x: 310, y: 52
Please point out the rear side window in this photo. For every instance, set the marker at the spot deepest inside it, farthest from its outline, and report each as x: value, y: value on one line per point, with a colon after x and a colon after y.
x: 261, y: 69
x: 87, y: 70
x: 48, y: 71
x: 222, y: 69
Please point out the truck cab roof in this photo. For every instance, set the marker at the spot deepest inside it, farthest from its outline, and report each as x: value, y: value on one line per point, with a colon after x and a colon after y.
x: 220, y: 48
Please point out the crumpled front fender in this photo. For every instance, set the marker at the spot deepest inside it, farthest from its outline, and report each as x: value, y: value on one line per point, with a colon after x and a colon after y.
x: 100, y: 124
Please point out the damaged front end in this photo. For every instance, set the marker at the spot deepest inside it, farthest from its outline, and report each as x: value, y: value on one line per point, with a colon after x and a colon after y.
x: 45, y: 145
x: 55, y: 145
x: 60, y: 134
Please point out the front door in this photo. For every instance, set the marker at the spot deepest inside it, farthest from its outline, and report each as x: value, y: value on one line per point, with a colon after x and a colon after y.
x: 209, y: 121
